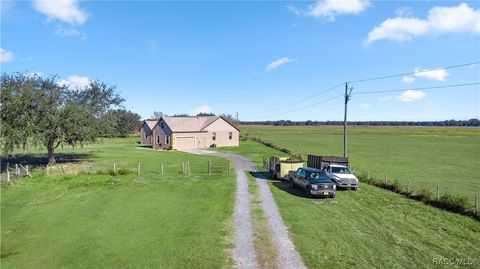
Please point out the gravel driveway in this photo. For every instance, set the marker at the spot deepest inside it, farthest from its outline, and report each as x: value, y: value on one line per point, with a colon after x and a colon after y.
x: 244, y: 253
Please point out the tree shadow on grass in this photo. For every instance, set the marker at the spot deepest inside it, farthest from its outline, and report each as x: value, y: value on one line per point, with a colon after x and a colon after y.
x: 36, y: 160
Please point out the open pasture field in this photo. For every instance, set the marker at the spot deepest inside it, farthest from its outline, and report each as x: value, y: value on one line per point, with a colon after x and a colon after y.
x: 447, y: 157
x: 370, y: 228
x: 99, y: 220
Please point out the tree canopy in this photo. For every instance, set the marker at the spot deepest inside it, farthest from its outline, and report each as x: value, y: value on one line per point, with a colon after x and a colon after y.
x: 38, y: 109
x: 120, y: 123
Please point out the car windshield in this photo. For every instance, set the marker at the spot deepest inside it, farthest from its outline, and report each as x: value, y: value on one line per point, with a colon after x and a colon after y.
x: 314, y: 175
x: 340, y: 170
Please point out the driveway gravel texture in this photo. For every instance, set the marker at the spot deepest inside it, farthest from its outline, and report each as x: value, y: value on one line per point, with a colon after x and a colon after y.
x: 244, y: 255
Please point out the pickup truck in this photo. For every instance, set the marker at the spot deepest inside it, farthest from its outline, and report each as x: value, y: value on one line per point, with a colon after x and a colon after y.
x: 336, y: 169
x: 342, y: 176
x: 313, y: 181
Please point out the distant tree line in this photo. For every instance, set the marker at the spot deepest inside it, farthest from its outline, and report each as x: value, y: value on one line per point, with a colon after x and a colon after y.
x: 471, y: 122
x: 158, y: 114
x: 39, y: 110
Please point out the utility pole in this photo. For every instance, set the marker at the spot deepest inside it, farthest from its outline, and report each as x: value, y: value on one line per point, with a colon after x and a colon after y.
x: 348, y: 94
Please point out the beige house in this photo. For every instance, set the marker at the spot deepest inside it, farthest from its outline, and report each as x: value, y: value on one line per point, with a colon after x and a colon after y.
x: 194, y: 133
x: 146, y: 132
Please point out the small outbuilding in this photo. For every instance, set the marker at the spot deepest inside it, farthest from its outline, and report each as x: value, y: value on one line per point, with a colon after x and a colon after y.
x: 197, y: 132
x: 146, y: 132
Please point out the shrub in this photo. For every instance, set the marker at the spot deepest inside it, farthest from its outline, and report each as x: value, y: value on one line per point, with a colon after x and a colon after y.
x: 422, y: 195
x: 123, y: 172
x: 453, y: 203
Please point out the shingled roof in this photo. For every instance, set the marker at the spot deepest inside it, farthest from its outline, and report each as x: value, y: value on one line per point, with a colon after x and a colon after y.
x: 191, y: 124
x: 151, y: 123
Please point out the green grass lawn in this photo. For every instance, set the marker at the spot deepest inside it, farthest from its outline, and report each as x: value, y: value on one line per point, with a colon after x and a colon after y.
x: 371, y: 228
x: 132, y: 221
x: 428, y: 156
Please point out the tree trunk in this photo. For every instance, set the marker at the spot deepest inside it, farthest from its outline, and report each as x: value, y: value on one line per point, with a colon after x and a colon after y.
x: 51, y: 157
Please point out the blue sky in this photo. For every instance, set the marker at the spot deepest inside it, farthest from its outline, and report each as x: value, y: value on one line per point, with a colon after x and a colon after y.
x: 253, y: 57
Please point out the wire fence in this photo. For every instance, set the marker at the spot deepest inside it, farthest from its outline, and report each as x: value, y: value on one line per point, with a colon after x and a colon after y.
x: 148, y: 168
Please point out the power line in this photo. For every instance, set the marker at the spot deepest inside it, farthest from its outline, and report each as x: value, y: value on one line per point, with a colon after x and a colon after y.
x: 423, y: 88
x: 306, y: 98
x: 372, y: 92
x: 369, y: 79
x: 412, y: 73
x: 304, y: 107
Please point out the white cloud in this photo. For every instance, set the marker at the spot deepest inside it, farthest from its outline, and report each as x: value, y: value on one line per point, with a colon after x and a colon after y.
x: 5, y: 56
x: 407, y: 79
x: 440, y: 20
x: 438, y: 74
x: 294, y: 10
x: 411, y: 95
x: 69, y: 32
x: 64, y: 10
x: 277, y: 63
x: 329, y: 9
x: 76, y: 82
x: 203, y: 109
x: 404, y: 12
x: 365, y: 105
x: 384, y: 98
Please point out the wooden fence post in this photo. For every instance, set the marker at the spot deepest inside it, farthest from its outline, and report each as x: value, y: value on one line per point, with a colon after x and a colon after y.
x: 188, y: 167
x: 368, y: 175
x: 438, y: 193
x: 209, y: 167
x: 386, y: 178
x: 17, y: 170
x: 183, y: 167
x: 114, y: 168
x: 161, y: 166
x: 8, y: 175
x: 63, y: 170
x: 90, y: 167
x: 408, y: 186
x: 26, y: 170
x: 48, y: 170
x: 228, y: 167
x: 138, y: 169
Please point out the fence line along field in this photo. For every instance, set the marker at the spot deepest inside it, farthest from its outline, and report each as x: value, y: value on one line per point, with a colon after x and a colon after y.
x: 81, y: 218
x: 369, y: 228
x: 447, y: 157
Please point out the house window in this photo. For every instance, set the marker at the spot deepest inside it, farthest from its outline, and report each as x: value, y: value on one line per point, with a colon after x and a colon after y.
x: 146, y: 135
x: 167, y: 139
x: 158, y: 139
x: 214, y: 136
x: 230, y: 135
x: 161, y: 125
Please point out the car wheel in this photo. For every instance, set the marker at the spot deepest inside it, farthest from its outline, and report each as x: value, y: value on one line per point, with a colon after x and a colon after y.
x: 309, y: 194
x: 290, y: 182
x: 332, y: 196
x: 355, y: 189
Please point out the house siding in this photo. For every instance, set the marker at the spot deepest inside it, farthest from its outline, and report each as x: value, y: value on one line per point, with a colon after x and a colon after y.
x: 159, y: 136
x: 222, y: 129
x: 202, y: 139
x: 145, y: 134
